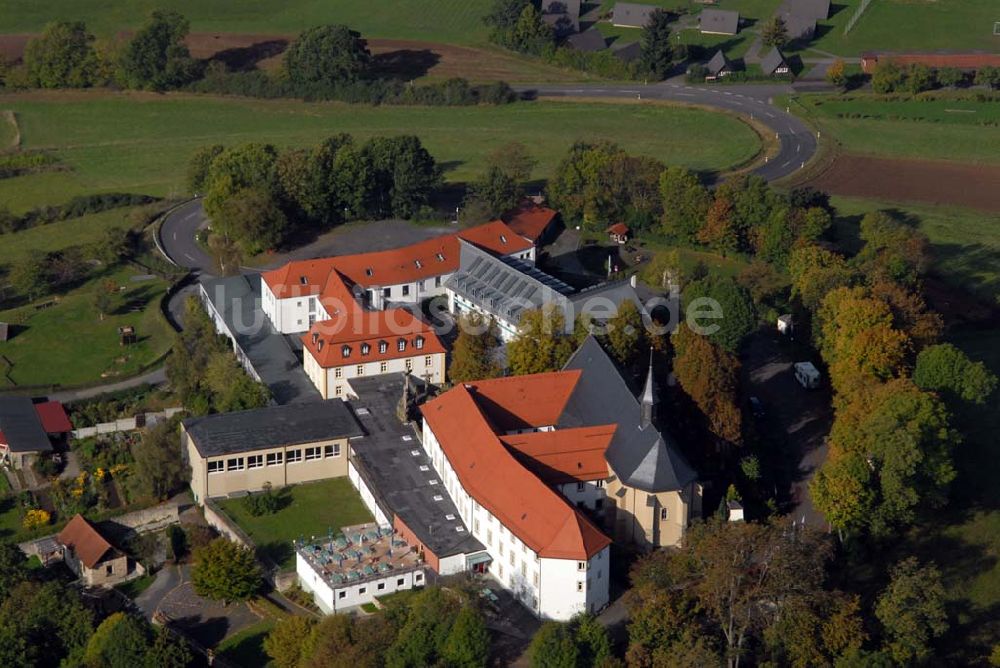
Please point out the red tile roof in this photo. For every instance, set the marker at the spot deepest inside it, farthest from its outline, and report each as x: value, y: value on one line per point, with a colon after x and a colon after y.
x: 86, y: 541
x: 530, y: 220
x: 620, y: 229
x: 299, y: 278
x: 53, y: 417
x: 564, y: 455
x: 496, y: 237
x: 325, y: 340
x: 526, y: 402
x: 532, y: 510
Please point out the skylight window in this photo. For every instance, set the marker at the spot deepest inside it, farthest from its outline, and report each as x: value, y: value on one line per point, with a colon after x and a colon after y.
x: 440, y: 257
x: 369, y: 271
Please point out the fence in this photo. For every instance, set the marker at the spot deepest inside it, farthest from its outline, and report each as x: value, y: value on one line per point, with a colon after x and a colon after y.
x: 126, y: 424
x: 857, y: 15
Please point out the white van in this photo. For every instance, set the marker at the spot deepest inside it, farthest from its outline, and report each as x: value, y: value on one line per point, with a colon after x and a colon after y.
x: 807, y: 375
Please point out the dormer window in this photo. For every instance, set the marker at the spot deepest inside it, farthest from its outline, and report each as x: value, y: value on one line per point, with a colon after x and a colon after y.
x: 365, y: 348
x: 419, y: 341
x: 420, y: 265
x: 346, y: 351
x: 369, y: 271
x: 440, y: 257
x: 401, y: 344
x: 319, y: 345
x: 503, y: 239
x: 303, y: 280
x: 382, y: 347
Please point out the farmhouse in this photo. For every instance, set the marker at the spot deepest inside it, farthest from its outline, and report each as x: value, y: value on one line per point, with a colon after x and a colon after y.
x: 91, y: 557
x: 632, y: 14
x: 27, y: 429
x: 719, y: 22
x: 773, y: 64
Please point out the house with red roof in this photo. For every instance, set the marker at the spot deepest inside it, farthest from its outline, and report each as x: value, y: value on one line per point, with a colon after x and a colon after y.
x: 28, y: 429
x: 92, y: 557
x: 534, y: 222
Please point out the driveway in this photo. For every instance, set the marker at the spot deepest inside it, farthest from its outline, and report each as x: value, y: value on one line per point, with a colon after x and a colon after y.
x: 802, y: 417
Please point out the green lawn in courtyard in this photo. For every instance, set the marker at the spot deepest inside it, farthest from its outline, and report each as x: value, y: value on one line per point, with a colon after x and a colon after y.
x: 245, y: 648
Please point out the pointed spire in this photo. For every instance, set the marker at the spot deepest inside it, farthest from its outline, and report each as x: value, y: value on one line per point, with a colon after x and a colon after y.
x: 648, y: 402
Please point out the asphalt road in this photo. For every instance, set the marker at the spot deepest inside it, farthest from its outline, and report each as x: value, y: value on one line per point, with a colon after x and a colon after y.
x: 177, y: 236
x: 798, y: 143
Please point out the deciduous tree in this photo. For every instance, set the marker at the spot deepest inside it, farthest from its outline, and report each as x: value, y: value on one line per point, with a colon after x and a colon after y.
x: 513, y: 159
x: 542, y: 342
x: 738, y: 317
x: 835, y: 74
x: 473, y: 355
x: 946, y: 369
x: 911, y: 610
x: 62, y: 56
x: 468, y: 642
x: 285, y: 644
x: 225, y: 571
x: 159, y: 462
x: 327, y: 55
x: 252, y: 218
x: 199, y: 165
x: 710, y: 376
x: 774, y: 32
x: 685, y: 202
x: 156, y: 57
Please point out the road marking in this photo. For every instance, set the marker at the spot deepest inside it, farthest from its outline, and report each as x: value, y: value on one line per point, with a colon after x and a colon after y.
x: 188, y: 256
x: 728, y: 93
x: 769, y: 114
x: 686, y: 94
x: 798, y: 147
x: 175, y: 236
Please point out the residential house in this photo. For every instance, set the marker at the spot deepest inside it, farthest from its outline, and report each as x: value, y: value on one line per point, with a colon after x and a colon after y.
x: 588, y: 41
x: 799, y: 28
x: 627, y: 53
x: 562, y: 15
x: 92, y: 557
x: 279, y: 445
x: 719, y: 22
x: 534, y: 222
x: 774, y: 64
x: 28, y: 429
x: 817, y: 10
x: 718, y: 67
x: 631, y: 14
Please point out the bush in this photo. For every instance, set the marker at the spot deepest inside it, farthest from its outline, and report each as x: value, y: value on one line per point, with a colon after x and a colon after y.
x: 265, y: 503
x: 36, y: 518
x: 26, y: 162
x: 75, y: 208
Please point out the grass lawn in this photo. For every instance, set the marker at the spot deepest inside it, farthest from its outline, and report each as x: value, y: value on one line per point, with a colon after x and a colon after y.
x: 246, y: 648
x: 57, y: 236
x: 458, y: 21
x: 66, y: 344
x: 966, y: 244
x: 141, y: 143
x: 10, y: 517
x: 307, y: 510
x: 909, y: 25
x: 133, y: 588
x: 934, y: 130
x: 8, y: 131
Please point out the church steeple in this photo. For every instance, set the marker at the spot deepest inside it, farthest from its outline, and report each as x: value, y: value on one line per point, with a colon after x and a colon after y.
x: 647, y: 403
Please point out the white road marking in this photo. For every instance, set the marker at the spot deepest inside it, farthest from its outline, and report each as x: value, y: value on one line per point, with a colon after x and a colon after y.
x: 686, y: 94
x: 188, y: 256
x: 175, y: 236
x: 769, y: 114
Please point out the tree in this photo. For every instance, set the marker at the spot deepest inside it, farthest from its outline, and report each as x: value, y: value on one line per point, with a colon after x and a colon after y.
x: 657, y: 51
x: 887, y: 77
x: 251, y: 218
x: 156, y: 58
x: 719, y: 229
x: 553, y: 646
x: 114, y: 245
x: 816, y: 631
x: 497, y: 191
x: 231, y: 388
x: 530, y: 34
x: 468, y: 643
x: 13, y: 567
x: 31, y: 276
x: 103, y: 301
x: 626, y: 335
x: 919, y: 77
x: 945, y: 368
x: 775, y: 32
x: 710, y: 376
x: 326, y: 56
x: 226, y: 571
x: 422, y: 637
x: 62, y: 56
x: 816, y: 271
x: 835, y: 74
x: 238, y: 168
x: 199, y: 167
x: 285, y: 644
x: 911, y: 610
x: 893, y: 250
x: 167, y: 651
x: 120, y: 641
x: 738, y: 316
x: 542, y: 343
x: 513, y: 159
x: 988, y: 76
x: 591, y: 639
x: 341, y: 641
x: 159, y: 462
x: 473, y: 354
x: 404, y: 174
x: 685, y: 202
x: 43, y: 624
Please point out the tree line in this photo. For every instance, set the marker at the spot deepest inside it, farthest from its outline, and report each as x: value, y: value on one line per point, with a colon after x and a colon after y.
x: 330, y: 62
x: 258, y: 195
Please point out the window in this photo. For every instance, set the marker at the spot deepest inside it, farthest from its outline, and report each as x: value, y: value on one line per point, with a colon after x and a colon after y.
x: 235, y: 464
x: 362, y: 590
x: 365, y: 348
x: 400, y: 582
x: 313, y: 453
x: 489, y: 536
x: 419, y: 577
x: 440, y: 258
x: 503, y: 239
x: 332, y: 450
x: 423, y: 284
x: 663, y: 514
x: 341, y: 594
x: 387, y: 292
x: 580, y: 486
x: 428, y: 361
x: 338, y: 372
x: 338, y: 391
x: 501, y: 549
x: 312, y: 304
x: 360, y: 371
x: 218, y: 466
x: 579, y: 586
x: 598, y: 575
x: 475, y: 525
x: 406, y: 290
x: 512, y: 558
x: 409, y: 364
x: 255, y: 461
x: 383, y: 346
x: 109, y: 569
x: 383, y: 367
x: 380, y: 586
x: 345, y: 351
x: 293, y: 456
x: 600, y: 484
x: 419, y: 342
x: 437, y: 281
x: 524, y: 570
x: 581, y: 565
x: 401, y: 345
x: 500, y: 570
x: 298, y: 322
x: 534, y: 580
x: 274, y: 458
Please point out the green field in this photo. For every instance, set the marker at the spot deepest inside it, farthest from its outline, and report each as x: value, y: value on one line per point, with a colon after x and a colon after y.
x: 455, y: 21
x: 60, y: 340
x: 309, y: 510
x: 966, y: 244
x: 141, y: 143
x: 246, y: 648
x: 934, y: 130
x: 8, y: 131
x: 59, y: 235
x: 908, y: 25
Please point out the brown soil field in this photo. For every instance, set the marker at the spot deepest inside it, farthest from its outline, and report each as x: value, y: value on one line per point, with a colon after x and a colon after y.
x: 401, y: 58
x: 934, y: 182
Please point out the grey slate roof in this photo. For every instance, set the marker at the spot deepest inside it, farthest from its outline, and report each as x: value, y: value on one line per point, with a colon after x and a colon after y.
x: 596, y: 301
x: 772, y: 61
x: 571, y: 7
x: 639, y: 455
x: 562, y: 24
x: 503, y: 285
x: 817, y: 10
x: 21, y: 426
x: 272, y: 427
x: 588, y: 40
x: 632, y: 14
x: 717, y: 63
x: 799, y: 27
x: 237, y: 301
x: 719, y: 21
x: 627, y: 52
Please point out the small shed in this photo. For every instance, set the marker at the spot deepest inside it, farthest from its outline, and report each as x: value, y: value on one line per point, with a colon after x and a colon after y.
x: 773, y: 64
x: 95, y: 560
x: 619, y: 233
x: 718, y: 67
x: 786, y: 324
x: 734, y: 511
x: 807, y: 375
x: 719, y: 22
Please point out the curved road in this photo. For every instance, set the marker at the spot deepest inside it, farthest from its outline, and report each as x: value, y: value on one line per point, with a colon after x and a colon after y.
x: 797, y: 145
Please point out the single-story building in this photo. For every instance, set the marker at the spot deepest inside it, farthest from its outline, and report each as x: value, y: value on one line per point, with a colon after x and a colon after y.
x: 773, y: 64
x: 719, y: 22
x: 817, y: 10
x: 92, y: 557
x: 632, y: 14
x: 588, y: 41
x: 27, y: 429
x: 534, y: 222
x: 619, y: 233
x: 799, y: 28
x: 280, y: 445
x: 718, y: 67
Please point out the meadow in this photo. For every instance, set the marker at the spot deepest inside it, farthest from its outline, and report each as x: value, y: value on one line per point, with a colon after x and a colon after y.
x: 132, y: 142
